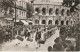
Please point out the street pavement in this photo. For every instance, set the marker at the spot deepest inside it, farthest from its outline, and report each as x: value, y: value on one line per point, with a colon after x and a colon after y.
x: 29, y: 46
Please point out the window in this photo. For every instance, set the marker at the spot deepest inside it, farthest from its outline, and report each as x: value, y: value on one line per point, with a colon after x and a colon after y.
x: 56, y: 22
x: 62, y: 22
x: 44, y: 11
x: 36, y: 21
x: 43, y: 21
x: 62, y: 12
x: 50, y: 11
x: 50, y: 22
x: 22, y: 13
x: 57, y: 11
x: 68, y: 12
x: 37, y: 10
x: 22, y: 3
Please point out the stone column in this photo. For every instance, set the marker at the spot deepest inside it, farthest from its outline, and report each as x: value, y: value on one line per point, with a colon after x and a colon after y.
x: 40, y: 10
x: 65, y: 22
x: 53, y: 23
x: 17, y: 32
x: 40, y: 21
x: 47, y: 21
x: 59, y: 22
x: 47, y: 10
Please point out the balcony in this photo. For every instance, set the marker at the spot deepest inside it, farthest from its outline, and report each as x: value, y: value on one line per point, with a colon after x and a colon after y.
x: 21, y: 7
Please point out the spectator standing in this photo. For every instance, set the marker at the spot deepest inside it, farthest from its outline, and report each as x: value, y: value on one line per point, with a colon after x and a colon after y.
x: 38, y: 36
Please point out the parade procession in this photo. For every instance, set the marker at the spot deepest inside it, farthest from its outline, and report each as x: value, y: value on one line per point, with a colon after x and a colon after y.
x: 39, y: 25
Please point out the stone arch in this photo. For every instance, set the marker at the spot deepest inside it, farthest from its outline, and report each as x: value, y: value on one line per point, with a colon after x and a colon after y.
x: 50, y: 22
x: 68, y: 12
x: 37, y: 10
x: 36, y: 21
x: 62, y: 22
x: 57, y: 11
x: 67, y: 22
x: 43, y: 21
x: 50, y: 10
x: 43, y: 10
x: 56, y: 22
x: 62, y: 12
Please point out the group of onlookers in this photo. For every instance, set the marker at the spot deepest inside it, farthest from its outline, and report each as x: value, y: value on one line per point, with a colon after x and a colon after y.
x: 68, y: 39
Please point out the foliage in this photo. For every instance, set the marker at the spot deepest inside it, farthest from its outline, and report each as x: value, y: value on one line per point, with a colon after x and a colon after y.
x: 1, y: 34
x: 29, y: 10
x: 6, y: 5
x: 67, y: 45
x: 72, y: 4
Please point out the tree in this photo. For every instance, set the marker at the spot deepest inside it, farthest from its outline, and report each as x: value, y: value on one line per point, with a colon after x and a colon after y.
x: 71, y: 3
x: 6, y: 5
x: 29, y: 10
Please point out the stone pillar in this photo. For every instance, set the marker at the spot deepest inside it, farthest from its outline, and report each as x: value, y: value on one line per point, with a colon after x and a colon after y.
x: 40, y: 21
x: 47, y: 11
x: 53, y: 23
x: 59, y: 22
x: 47, y: 21
x: 33, y: 21
x: 17, y: 32
x: 64, y: 22
x: 40, y: 10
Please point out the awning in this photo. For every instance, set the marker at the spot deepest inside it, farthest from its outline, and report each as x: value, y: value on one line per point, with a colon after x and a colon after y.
x: 16, y: 20
x: 25, y: 23
x: 29, y: 21
x: 8, y: 18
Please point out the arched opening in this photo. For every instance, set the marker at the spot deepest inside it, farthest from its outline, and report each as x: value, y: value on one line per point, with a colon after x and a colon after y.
x: 62, y: 22
x: 37, y: 10
x: 50, y: 11
x: 43, y: 21
x: 67, y: 22
x: 43, y: 11
x: 68, y: 12
x: 50, y: 22
x: 71, y: 22
x: 57, y: 11
x: 56, y: 22
x: 36, y: 21
x: 62, y: 12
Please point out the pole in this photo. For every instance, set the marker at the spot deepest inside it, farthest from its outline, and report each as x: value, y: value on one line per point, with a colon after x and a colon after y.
x: 15, y: 14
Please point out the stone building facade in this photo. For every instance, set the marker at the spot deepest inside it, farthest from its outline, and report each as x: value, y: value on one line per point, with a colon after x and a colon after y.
x: 20, y: 11
x: 52, y: 13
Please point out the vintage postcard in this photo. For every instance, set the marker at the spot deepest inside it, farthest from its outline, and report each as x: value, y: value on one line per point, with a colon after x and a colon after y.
x: 40, y: 25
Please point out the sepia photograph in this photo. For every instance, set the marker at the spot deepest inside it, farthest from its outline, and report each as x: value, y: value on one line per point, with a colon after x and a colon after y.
x: 40, y: 25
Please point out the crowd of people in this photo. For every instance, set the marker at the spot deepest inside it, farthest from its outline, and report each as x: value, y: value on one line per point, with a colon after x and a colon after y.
x: 68, y: 39
x: 9, y: 33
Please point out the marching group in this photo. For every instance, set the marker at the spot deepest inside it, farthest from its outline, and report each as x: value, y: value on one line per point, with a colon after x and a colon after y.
x: 42, y: 33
